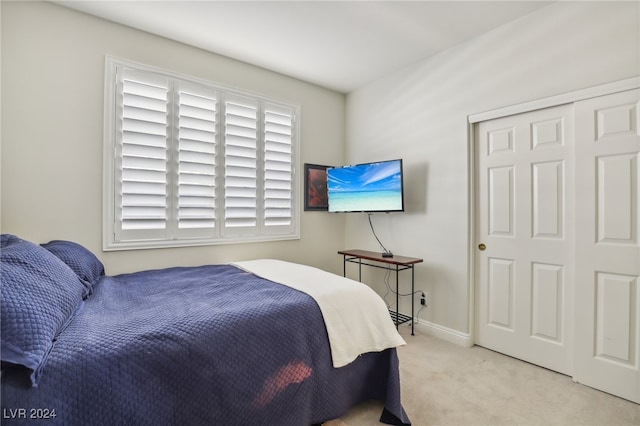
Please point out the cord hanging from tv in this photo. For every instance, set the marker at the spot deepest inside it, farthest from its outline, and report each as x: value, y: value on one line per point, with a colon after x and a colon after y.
x: 385, y: 251
x: 368, y: 187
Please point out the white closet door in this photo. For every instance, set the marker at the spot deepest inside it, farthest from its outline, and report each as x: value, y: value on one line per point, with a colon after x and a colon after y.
x: 607, y: 354
x: 524, y: 217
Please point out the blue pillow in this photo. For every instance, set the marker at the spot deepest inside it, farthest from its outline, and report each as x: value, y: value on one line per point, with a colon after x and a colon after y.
x: 83, y: 262
x: 40, y: 295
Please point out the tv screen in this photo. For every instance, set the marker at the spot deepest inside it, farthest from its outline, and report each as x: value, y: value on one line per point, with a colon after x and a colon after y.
x: 369, y: 187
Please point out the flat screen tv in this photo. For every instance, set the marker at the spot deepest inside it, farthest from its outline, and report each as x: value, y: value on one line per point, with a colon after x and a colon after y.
x: 369, y: 187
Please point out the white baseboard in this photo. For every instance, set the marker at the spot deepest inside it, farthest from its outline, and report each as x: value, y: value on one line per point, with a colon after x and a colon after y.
x: 444, y: 333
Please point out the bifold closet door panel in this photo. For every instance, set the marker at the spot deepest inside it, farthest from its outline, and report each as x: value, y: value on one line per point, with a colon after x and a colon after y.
x: 607, y: 353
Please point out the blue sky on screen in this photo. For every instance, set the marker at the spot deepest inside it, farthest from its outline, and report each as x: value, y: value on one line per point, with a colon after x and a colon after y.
x: 383, y: 176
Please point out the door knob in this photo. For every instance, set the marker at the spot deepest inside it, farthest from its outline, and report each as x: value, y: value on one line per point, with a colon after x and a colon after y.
x: 481, y: 247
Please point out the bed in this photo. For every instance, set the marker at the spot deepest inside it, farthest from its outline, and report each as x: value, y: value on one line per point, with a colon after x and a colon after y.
x: 220, y: 344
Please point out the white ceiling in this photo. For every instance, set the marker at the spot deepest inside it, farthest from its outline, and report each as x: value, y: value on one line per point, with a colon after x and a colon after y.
x: 341, y: 45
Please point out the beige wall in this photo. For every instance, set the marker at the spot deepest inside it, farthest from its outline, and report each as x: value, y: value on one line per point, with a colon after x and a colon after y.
x: 420, y: 113
x: 53, y: 62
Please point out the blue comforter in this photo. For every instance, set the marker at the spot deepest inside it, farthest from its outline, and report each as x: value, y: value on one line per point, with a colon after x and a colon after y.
x: 209, y: 345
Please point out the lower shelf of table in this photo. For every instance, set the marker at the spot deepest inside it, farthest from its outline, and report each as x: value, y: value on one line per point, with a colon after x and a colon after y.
x: 399, y: 318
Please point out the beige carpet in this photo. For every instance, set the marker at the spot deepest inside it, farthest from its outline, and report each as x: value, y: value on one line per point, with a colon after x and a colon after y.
x: 445, y: 384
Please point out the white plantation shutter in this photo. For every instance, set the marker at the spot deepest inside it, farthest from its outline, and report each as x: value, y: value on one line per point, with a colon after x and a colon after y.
x: 278, y: 167
x: 142, y: 192
x: 196, y: 161
x: 241, y: 162
x: 191, y: 163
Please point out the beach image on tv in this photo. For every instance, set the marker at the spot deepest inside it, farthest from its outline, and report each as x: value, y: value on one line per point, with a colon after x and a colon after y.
x: 366, y: 187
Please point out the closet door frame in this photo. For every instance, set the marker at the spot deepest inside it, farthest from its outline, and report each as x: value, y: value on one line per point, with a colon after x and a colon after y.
x: 472, y: 120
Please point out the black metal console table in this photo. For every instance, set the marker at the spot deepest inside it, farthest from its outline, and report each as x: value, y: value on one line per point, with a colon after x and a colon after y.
x: 401, y: 263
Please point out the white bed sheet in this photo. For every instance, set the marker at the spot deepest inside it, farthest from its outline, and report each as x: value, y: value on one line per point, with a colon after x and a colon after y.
x: 356, y: 318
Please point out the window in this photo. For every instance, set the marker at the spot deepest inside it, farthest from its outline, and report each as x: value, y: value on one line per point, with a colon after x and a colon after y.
x: 189, y: 162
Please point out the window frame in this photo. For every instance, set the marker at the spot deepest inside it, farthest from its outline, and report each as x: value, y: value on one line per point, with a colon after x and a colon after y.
x: 111, y: 161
